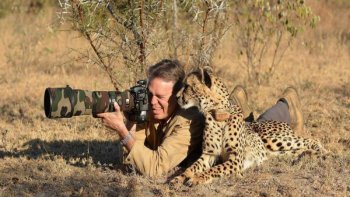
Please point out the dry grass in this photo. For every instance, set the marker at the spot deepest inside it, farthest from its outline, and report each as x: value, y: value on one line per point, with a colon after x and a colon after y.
x: 78, y: 157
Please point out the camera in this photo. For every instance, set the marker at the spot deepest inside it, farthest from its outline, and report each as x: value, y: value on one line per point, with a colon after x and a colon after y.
x: 67, y: 102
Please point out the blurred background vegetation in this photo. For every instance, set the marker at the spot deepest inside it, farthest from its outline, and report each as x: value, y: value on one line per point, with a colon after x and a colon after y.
x: 25, y: 7
x: 137, y: 33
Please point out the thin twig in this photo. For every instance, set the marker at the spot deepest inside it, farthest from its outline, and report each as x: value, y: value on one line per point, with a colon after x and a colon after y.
x: 140, y: 38
x: 202, y: 43
x: 106, y: 67
x: 142, y: 44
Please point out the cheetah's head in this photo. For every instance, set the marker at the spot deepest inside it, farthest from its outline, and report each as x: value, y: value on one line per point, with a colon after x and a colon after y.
x: 202, y: 89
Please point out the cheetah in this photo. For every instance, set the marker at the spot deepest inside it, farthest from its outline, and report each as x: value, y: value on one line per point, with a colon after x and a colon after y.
x: 237, y: 144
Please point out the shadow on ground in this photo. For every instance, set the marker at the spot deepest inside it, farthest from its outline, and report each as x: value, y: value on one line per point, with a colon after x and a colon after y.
x: 75, y: 152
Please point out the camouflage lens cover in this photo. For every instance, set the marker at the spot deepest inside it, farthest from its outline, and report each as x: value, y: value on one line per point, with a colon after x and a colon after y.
x: 66, y: 102
x: 103, y: 101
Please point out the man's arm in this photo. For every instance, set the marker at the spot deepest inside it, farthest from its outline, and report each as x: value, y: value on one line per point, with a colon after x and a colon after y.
x: 172, y: 151
x: 115, y: 121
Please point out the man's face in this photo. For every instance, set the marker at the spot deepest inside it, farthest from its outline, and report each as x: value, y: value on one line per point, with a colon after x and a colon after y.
x: 163, y: 102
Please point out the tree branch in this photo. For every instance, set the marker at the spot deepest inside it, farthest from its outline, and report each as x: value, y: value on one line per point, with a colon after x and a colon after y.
x: 87, y: 35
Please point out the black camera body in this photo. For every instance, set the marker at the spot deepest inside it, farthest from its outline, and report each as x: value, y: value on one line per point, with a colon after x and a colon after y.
x: 138, y: 102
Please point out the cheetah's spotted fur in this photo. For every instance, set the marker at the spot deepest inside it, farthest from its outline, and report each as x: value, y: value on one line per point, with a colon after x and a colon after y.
x: 237, y: 144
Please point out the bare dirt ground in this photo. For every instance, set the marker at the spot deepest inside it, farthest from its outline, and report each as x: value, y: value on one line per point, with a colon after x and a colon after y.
x: 79, y: 157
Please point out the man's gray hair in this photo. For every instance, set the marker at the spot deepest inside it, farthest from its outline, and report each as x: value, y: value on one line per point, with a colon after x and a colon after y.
x: 168, y: 70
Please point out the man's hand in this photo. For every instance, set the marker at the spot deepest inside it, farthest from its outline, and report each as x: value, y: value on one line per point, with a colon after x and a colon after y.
x: 115, y: 121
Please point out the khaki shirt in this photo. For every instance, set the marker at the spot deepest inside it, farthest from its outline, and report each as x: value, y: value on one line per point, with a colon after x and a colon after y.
x: 159, y: 148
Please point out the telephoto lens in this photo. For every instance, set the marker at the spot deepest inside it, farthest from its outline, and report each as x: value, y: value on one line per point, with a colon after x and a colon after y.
x: 67, y: 102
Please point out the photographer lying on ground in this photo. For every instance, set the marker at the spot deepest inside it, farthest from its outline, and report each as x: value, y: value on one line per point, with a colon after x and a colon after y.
x: 174, y: 135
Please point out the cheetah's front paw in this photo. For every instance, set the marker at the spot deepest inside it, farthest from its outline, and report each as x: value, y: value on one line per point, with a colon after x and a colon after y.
x: 177, y: 181
x: 197, y: 180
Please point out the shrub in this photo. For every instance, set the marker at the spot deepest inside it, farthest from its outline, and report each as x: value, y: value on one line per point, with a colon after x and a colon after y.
x: 132, y: 32
x: 129, y: 33
x: 264, y: 31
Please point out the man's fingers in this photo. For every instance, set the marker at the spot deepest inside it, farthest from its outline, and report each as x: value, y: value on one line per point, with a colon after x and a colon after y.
x: 116, y: 106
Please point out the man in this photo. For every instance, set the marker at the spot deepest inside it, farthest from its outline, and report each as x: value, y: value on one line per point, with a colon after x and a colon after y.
x: 171, y: 135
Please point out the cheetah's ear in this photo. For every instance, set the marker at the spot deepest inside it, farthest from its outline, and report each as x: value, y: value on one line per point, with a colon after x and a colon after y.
x: 205, y: 77
x: 209, y: 69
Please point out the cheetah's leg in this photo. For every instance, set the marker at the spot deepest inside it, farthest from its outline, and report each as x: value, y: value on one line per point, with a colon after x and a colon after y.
x: 296, y: 146
x: 234, y: 165
x: 279, y: 139
x: 211, y: 139
x: 203, y: 163
x: 233, y: 156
